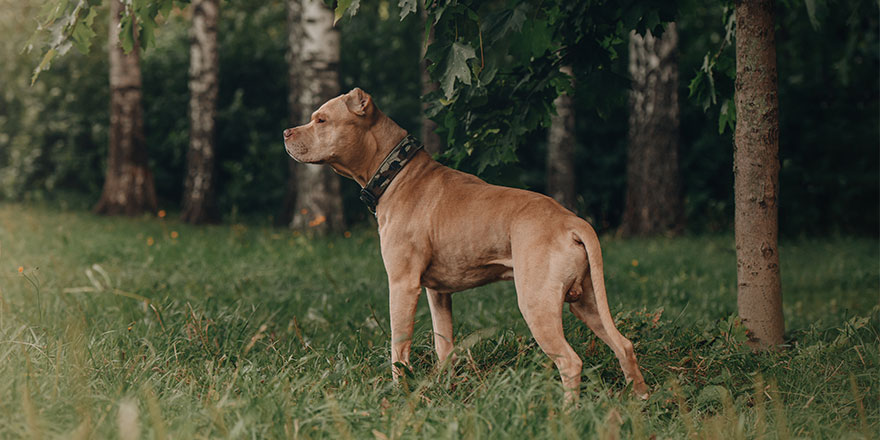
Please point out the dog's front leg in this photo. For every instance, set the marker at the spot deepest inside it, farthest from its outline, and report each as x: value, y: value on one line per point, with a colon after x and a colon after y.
x: 404, y: 297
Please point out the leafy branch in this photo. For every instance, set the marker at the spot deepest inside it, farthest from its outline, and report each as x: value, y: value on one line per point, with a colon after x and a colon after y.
x: 497, y: 64
x: 71, y: 23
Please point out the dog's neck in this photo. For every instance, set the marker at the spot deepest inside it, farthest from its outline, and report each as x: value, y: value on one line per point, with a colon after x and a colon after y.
x: 378, y: 142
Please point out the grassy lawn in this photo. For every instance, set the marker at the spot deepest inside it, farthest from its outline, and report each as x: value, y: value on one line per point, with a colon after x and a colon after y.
x: 123, y: 327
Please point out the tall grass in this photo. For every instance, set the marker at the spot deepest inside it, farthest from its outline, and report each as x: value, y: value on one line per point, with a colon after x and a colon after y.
x: 147, y: 328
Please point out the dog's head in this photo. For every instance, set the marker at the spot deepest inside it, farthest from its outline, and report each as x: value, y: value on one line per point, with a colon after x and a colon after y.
x: 335, y: 132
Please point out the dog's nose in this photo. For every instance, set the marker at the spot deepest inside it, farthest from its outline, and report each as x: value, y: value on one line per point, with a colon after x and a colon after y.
x: 288, y: 132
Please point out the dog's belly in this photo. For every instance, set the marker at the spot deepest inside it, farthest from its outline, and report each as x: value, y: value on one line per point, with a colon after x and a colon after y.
x: 447, y: 278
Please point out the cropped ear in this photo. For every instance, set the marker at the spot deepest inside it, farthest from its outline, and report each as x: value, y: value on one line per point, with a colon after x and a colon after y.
x: 358, y: 101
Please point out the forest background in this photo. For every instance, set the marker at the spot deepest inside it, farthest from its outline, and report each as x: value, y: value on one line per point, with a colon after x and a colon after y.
x: 54, y: 134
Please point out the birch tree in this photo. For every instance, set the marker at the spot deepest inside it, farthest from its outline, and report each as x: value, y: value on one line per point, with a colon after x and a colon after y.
x: 198, y: 196
x: 315, y: 61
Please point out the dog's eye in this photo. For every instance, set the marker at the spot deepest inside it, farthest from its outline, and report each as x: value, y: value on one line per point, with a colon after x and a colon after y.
x: 320, y: 120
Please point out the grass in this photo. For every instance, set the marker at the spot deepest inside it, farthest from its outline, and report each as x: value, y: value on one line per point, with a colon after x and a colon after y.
x: 149, y: 328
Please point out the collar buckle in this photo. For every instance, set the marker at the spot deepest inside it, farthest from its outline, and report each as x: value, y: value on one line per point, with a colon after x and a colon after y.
x: 369, y: 199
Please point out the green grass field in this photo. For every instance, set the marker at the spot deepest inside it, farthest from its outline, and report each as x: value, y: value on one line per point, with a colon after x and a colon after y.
x: 149, y: 328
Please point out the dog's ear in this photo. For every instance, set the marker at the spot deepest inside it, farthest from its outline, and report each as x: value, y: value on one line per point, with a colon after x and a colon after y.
x: 358, y: 101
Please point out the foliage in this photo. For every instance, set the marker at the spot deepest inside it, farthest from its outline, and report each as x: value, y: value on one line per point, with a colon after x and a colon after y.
x: 498, y: 66
x: 66, y: 23
x: 721, y: 60
x: 289, y: 337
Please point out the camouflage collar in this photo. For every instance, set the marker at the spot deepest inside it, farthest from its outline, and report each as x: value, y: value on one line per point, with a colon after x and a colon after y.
x: 393, y: 163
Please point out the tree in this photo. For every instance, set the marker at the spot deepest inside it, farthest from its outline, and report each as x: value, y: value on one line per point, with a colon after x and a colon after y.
x: 756, y: 174
x: 560, y: 150
x: 128, y: 185
x: 294, y: 112
x: 198, y: 195
x: 318, y: 203
x: 653, y: 189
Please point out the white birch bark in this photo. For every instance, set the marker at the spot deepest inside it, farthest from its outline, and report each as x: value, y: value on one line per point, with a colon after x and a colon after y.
x: 198, y: 196
x: 318, y: 201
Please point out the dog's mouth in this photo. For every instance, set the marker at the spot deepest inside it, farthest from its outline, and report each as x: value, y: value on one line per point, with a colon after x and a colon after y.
x: 290, y: 153
x: 299, y: 152
x: 294, y: 149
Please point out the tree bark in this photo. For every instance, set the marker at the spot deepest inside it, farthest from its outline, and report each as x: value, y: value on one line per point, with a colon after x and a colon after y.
x: 318, y: 205
x: 294, y: 84
x: 756, y: 175
x: 653, y: 189
x: 430, y: 139
x: 128, y: 185
x: 560, y: 150
x: 198, y: 196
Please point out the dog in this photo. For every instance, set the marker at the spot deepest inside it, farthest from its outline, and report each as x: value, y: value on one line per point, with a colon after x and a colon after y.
x: 449, y: 231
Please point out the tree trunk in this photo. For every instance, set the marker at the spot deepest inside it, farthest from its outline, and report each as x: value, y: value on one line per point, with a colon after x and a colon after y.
x: 128, y: 185
x: 430, y: 139
x: 560, y: 150
x: 756, y: 174
x: 294, y: 84
x: 653, y: 190
x: 318, y: 204
x: 198, y: 196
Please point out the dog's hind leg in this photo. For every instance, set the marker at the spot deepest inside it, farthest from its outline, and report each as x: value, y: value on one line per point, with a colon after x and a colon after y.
x: 585, y: 310
x: 540, y: 300
x: 592, y: 309
x: 441, y: 318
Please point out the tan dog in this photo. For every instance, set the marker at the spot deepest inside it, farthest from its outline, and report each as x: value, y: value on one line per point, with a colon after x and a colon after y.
x: 449, y: 231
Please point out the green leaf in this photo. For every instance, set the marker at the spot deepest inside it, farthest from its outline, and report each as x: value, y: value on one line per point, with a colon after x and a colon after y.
x: 487, y: 75
x: 727, y: 117
x: 535, y: 39
x: 506, y: 22
x: 83, y: 33
x: 345, y: 7
x: 126, y: 36
x: 407, y: 7
x: 148, y: 32
x: 44, y: 64
x: 456, y: 67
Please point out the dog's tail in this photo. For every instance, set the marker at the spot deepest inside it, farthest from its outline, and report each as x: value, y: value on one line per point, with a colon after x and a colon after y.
x: 586, y: 235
